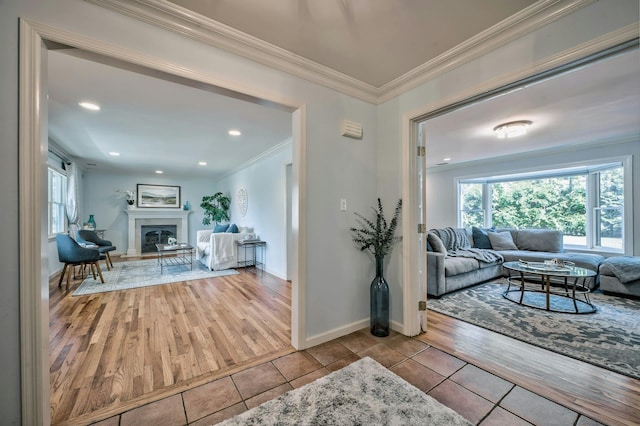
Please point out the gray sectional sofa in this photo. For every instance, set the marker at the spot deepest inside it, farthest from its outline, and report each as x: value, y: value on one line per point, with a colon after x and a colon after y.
x: 459, y: 257
x: 620, y: 276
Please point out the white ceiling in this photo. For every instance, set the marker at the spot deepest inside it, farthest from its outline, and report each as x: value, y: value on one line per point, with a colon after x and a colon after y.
x: 153, y: 123
x: 595, y: 104
x: 159, y: 124
x: 374, y: 41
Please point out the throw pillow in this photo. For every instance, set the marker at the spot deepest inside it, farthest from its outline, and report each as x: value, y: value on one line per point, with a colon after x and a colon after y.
x: 436, y: 243
x: 220, y: 228
x: 233, y: 229
x: 480, y: 237
x: 548, y: 240
x: 501, y: 240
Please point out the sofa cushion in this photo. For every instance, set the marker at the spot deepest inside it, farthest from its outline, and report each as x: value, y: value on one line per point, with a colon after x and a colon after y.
x: 481, y: 238
x: 453, y: 238
x: 459, y: 265
x: 501, y: 240
x: 221, y: 228
x: 548, y: 240
x: 436, y: 243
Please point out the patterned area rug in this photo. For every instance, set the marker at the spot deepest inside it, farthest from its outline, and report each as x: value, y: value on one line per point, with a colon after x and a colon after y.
x: 144, y: 273
x: 608, y: 338
x: 362, y: 393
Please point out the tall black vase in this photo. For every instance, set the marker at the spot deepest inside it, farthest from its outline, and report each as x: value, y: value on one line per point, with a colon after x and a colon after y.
x: 379, y: 299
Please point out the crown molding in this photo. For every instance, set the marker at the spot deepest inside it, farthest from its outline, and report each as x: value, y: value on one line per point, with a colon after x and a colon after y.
x: 606, y: 41
x: 569, y: 147
x: 164, y: 14
x: 286, y: 144
x: 175, y: 18
x: 527, y: 20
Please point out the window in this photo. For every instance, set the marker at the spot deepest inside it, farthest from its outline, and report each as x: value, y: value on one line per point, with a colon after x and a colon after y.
x: 586, y: 203
x: 57, y: 199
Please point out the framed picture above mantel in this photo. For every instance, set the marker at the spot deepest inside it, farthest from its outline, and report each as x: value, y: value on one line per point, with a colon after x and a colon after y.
x: 158, y: 196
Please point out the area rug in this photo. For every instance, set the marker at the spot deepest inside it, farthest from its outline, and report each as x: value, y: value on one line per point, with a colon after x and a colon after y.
x: 362, y: 393
x: 608, y: 338
x: 144, y: 273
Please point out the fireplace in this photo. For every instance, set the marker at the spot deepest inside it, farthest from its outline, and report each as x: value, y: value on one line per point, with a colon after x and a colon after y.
x: 156, y: 218
x: 150, y: 235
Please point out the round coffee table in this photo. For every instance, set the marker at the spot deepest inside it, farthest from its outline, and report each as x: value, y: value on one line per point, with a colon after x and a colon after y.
x: 578, y: 293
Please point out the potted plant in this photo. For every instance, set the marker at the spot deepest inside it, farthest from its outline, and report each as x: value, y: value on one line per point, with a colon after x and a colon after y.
x: 216, y: 208
x: 378, y: 237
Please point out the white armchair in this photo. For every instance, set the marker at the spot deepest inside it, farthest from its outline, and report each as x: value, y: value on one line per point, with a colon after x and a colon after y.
x: 218, y: 251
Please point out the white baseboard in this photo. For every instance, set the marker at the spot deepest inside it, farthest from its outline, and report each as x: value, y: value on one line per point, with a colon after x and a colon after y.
x: 344, y: 330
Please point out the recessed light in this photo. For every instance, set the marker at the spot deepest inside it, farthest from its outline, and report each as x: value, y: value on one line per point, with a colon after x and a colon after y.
x: 89, y: 105
x: 159, y: 172
x: 234, y: 132
x: 202, y: 163
x: 512, y: 129
x: 114, y: 154
x: 446, y: 159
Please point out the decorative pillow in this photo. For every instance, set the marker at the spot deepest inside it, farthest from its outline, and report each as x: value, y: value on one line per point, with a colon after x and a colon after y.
x: 501, y: 240
x: 233, y: 229
x: 436, y: 243
x: 452, y: 238
x: 480, y: 237
x: 221, y: 228
x: 548, y: 240
x: 245, y: 230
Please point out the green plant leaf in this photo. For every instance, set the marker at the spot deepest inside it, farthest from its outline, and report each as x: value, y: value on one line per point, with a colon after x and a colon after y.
x: 377, y: 236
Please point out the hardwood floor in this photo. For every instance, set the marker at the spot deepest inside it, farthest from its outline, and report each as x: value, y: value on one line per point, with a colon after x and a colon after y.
x: 113, y: 351
x: 603, y: 395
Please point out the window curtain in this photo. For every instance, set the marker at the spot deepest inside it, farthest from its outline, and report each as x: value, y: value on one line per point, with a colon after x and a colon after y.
x: 73, y: 198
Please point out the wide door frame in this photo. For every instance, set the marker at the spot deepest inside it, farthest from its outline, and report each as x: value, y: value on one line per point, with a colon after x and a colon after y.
x: 34, y: 282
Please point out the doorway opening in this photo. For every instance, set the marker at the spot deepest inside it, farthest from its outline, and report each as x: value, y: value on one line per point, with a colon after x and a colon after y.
x: 36, y: 40
x: 571, y: 107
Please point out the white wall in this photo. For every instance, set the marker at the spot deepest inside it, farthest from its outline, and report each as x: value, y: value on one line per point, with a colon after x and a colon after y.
x: 441, y: 185
x: 265, y: 183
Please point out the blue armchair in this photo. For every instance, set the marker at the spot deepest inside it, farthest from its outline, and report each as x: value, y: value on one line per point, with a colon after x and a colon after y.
x: 104, y: 246
x: 70, y: 253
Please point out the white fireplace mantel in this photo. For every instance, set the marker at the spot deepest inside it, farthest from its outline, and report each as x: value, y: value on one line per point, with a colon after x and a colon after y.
x: 139, y: 217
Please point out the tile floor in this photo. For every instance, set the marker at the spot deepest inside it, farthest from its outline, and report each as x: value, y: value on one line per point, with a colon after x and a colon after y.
x: 481, y: 397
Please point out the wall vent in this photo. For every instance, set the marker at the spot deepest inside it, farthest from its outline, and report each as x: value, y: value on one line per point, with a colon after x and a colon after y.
x: 351, y: 129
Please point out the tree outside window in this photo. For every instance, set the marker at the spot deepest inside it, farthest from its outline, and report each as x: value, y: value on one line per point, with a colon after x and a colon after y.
x: 586, y: 204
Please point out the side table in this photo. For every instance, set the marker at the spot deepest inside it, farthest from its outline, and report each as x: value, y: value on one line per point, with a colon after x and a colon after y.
x: 254, y: 247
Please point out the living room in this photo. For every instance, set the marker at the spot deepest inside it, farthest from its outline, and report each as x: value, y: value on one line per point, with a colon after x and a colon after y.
x: 377, y: 170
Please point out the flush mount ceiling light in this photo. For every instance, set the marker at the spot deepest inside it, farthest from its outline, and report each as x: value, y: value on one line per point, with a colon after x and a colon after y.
x: 512, y: 129
x: 89, y: 105
x: 234, y: 132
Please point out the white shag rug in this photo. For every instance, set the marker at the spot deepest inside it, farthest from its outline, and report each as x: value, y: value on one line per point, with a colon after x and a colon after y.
x: 144, y: 273
x: 362, y: 393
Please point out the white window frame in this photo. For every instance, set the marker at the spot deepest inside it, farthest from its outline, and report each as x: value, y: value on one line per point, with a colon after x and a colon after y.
x: 625, y: 161
x: 50, y: 203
